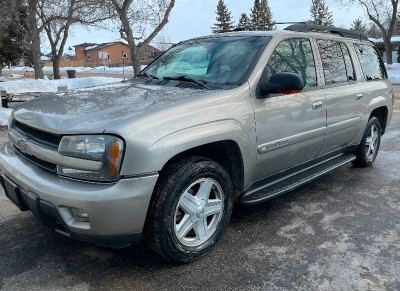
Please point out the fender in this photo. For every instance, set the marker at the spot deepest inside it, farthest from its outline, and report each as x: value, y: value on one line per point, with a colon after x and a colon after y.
x: 380, y: 101
x: 173, y: 144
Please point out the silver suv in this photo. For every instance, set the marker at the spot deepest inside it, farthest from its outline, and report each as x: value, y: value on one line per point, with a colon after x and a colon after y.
x: 237, y: 117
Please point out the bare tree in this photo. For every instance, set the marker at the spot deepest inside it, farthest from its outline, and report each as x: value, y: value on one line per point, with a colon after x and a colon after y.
x: 57, y: 17
x: 162, y: 42
x: 383, y: 13
x: 34, y: 38
x: 141, y: 21
x: 373, y: 31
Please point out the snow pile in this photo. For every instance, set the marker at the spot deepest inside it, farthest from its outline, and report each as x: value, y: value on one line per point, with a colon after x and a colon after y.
x: 96, y: 70
x: 45, y: 86
x: 393, y: 73
x: 4, y: 116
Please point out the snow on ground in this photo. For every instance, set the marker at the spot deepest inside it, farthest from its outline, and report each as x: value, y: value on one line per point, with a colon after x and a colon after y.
x: 32, y: 85
x: 96, y: 70
x: 16, y: 86
x: 393, y: 73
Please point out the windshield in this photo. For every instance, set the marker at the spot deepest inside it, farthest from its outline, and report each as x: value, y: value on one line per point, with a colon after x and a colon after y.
x: 222, y: 60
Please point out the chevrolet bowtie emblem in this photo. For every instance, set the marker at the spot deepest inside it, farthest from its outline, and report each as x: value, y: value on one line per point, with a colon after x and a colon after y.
x: 23, y: 144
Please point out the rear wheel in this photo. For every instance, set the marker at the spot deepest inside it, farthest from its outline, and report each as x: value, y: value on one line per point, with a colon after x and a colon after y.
x: 191, y: 209
x: 370, y: 143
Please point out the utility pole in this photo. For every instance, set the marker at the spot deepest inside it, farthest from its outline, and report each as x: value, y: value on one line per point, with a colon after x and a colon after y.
x: 315, y: 12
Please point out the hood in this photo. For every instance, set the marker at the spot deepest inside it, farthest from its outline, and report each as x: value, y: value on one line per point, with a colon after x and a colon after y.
x: 93, y: 110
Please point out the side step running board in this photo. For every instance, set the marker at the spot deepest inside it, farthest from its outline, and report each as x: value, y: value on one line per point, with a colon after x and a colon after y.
x: 295, y: 180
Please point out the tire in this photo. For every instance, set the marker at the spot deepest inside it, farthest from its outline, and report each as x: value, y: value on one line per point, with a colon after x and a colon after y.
x: 179, y: 226
x: 370, y: 143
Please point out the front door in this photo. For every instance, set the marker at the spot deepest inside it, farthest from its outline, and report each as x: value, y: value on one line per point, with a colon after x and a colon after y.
x: 290, y: 128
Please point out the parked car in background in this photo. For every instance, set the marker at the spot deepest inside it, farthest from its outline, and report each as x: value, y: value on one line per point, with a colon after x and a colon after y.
x: 238, y: 117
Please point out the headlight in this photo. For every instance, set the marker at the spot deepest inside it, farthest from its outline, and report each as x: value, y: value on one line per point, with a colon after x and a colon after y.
x: 106, y: 149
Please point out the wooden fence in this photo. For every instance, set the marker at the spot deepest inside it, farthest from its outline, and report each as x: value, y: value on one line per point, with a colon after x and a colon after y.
x: 68, y: 64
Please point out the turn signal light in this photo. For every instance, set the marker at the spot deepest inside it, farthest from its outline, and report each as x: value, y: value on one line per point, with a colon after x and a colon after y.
x: 115, y: 155
x: 289, y: 91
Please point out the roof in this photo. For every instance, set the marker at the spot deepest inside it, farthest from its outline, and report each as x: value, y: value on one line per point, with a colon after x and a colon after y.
x: 100, y: 46
x: 86, y: 44
x: 393, y: 40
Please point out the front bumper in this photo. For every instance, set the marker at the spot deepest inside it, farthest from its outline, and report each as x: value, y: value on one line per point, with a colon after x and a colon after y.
x: 117, y: 212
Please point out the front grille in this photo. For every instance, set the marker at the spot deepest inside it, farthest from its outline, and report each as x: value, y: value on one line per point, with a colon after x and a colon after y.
x: 38, y: 162
x: 39, y: 137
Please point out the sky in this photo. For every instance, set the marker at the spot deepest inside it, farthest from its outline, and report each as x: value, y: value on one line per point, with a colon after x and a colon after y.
x: 192, y: 18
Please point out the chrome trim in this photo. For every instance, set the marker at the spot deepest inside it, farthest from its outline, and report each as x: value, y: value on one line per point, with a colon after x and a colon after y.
x: 140, y: 175
x: 50, y: 156
x: 359, y: 96
x: 291, y: 140
x: 317, y: 105
x: 342, y: 125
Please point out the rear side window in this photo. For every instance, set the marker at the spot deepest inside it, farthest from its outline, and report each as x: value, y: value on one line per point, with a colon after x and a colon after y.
x: 371, y: 62
x: 294, y: 56
x: 333, y: 62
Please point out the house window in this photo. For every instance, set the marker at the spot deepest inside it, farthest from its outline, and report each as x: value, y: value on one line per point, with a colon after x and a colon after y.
x: 88, y: 57
x: 108, y: 56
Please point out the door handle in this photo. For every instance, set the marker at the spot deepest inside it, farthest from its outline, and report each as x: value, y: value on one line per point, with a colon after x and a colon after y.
x: 359, y: 96
x: 317, y: 105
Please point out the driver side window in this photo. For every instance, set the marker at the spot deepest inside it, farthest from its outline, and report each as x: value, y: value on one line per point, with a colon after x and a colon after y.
x: 294, y: 56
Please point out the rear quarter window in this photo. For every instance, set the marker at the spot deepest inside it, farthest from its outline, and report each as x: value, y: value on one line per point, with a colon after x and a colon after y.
x: 371, y: 63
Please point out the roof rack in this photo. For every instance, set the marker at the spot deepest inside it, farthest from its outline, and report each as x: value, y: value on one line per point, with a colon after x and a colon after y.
x: 309, y: 27
x: 258, y: 26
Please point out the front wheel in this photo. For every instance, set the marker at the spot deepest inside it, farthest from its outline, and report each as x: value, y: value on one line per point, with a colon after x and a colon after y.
x: 370, y: 143
x: 191, y: 209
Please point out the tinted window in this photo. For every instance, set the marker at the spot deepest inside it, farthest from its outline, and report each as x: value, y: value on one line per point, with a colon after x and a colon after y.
x: 371, y: 62
x: 294, y: 56
x: 332, y: 62
x: 351, y: 74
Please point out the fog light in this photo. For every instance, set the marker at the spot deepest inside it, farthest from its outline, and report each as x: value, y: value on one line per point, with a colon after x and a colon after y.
x: 80, y: 214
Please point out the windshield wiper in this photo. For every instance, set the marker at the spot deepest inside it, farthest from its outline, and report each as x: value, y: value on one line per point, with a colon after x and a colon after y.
x: 189, y: 79
x: 150, y: 77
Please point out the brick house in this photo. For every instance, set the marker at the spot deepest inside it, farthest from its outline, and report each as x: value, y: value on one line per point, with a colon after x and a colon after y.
x: 114, y: 53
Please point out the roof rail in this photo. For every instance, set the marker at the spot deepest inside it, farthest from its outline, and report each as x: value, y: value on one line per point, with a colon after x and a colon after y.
x: 309, y: 27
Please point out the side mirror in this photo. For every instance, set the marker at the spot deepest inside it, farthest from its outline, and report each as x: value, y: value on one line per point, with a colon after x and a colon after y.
x: 283, y: 83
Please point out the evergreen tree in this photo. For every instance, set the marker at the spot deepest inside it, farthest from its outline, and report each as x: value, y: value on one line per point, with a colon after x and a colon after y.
x: 324, y: 16
x: 358, y: 25
x: 224, y: 18
x: 244, y: 22
x: 261, y: 16
x: 13, y: 47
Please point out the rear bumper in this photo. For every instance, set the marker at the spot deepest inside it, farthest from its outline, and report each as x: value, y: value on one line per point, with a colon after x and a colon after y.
x: 116, y: 212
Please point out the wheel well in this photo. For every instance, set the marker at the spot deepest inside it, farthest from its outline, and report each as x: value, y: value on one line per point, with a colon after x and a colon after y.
x: 381, y: 113
x: 226, y: 153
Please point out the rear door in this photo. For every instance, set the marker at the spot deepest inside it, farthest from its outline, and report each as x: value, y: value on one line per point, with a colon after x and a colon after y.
x: 345, y: 100
x: 373, y: 69
x: 290, y: 128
